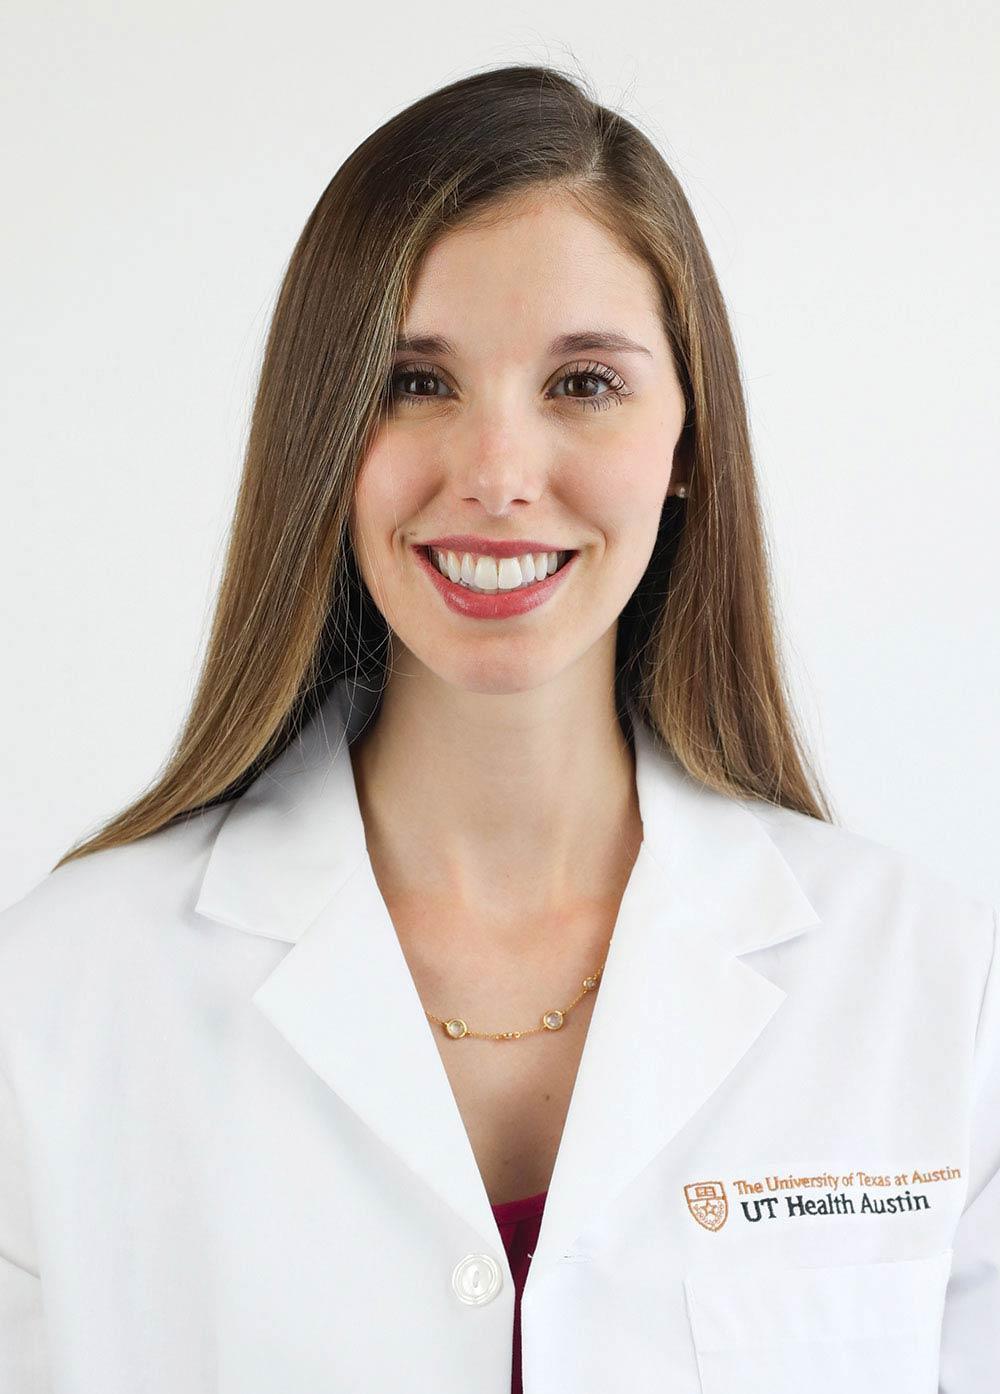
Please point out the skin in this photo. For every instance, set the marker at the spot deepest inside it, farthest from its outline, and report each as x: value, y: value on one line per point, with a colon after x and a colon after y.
x: 501, y: 852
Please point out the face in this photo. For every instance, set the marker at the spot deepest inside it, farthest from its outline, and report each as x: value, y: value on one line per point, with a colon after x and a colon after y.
x: 498, y: 434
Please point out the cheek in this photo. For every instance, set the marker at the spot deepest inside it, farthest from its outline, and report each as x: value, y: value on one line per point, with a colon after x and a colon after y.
x: 386, y: 496
x: 623, y: 491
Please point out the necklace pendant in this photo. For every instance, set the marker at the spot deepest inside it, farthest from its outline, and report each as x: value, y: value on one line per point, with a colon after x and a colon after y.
x: 552, y: 1020
x: 456, y: 1028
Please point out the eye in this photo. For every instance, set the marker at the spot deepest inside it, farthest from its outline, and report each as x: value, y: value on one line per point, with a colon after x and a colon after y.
x: 616, y: 392
x: 427, y: 378
x: 421, y: 373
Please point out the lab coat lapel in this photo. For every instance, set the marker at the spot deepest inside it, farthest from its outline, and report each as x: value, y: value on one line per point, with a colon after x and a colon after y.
x: 290, y: 862
x: 675, y: 1012
x: 677, y: 1009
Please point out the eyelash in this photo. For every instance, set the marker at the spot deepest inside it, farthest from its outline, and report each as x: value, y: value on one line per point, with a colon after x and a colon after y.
x: 618, y: 390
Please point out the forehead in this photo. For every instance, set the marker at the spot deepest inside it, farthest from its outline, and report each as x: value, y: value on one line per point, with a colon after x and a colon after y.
x: 538, y: 267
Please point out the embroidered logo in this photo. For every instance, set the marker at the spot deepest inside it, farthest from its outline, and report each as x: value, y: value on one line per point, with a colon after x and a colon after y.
x: 707, y: 1202
x: 874, y: 1194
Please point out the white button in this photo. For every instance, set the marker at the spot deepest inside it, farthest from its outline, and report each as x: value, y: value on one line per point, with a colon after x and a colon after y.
x: 477, y: 1278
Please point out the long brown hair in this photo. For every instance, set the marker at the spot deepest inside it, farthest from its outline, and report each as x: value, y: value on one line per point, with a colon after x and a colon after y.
x: 696, y: 648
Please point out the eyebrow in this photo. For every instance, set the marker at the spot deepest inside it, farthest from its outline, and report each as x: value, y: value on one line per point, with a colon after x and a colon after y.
x: 582, y: 341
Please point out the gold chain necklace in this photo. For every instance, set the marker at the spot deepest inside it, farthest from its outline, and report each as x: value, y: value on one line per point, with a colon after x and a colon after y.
x: 455, y: 1027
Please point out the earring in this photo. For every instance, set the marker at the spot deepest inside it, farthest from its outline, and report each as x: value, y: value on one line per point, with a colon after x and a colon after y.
x: 682, y: 491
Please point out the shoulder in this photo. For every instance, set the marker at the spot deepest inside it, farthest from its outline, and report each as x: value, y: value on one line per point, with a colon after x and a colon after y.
x: 884, y: 893
x: 835, y: 859
x: 93, y: 912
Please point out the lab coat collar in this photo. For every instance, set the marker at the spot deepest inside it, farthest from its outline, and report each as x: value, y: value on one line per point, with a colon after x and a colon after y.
x: 675, y: 1012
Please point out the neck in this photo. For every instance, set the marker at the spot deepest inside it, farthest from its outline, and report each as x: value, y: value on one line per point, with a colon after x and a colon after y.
x: 510, y: 818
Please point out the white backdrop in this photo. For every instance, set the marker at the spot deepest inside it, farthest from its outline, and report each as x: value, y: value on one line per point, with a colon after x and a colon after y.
x: 160, y: 160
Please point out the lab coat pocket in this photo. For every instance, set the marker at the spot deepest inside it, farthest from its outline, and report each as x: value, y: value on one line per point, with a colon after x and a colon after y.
x: 867, y: 1328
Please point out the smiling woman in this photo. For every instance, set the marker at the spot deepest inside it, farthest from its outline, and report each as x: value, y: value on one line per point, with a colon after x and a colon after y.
x: 500, y: 320
x: 486, y: 948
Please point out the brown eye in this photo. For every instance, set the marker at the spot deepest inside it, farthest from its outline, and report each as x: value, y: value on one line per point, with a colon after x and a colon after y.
x: 590, y: 378
x: 421, y: 377
x: 594, y: 374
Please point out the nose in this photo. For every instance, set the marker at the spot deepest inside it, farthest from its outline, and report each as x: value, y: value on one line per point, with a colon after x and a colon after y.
x: 497, y: 461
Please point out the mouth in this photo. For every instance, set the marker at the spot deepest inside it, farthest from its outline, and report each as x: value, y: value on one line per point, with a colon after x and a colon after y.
x: 494, y: 576
x: 491, y: 588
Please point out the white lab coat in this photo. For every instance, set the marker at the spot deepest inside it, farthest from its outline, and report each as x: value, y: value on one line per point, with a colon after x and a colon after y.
x: 232, y: 1162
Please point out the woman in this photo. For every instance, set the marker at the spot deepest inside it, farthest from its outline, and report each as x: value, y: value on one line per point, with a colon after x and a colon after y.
x: 484, y: 982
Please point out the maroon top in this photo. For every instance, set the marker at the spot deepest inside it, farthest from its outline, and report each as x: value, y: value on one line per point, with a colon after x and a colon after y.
x: 519, y: 1222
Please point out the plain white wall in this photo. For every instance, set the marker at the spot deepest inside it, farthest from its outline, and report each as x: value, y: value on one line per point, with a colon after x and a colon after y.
x: 160, y: 160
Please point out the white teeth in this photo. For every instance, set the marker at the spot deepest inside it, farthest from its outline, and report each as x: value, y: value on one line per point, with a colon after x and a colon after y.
x: 496, y: 573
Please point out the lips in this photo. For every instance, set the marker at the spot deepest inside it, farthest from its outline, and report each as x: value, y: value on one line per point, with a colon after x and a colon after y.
x: 493, y: 605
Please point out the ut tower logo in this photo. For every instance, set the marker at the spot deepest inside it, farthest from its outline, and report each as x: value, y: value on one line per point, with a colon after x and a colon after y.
x: 707, y: 1202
